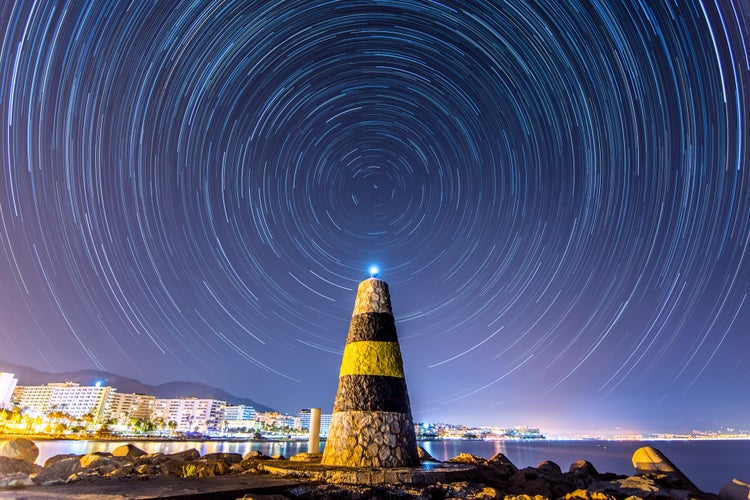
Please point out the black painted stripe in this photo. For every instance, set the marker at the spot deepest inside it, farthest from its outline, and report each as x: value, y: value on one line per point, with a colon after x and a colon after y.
x: 372, y: 326
x: 372, y: 393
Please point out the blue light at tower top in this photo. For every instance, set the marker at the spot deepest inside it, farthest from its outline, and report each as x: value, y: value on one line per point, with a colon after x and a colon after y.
x: 374, y: 271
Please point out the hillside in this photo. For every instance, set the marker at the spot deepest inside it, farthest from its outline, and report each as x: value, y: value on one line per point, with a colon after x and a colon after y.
x: 31, y: 376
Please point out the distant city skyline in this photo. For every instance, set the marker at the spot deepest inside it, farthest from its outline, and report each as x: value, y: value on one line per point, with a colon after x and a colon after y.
x: 556, y: 193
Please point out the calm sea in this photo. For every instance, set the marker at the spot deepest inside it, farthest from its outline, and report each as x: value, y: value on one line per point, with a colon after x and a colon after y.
x: 709, y: 464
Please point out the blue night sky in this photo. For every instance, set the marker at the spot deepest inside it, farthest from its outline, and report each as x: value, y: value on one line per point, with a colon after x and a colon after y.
x: 557, y: 193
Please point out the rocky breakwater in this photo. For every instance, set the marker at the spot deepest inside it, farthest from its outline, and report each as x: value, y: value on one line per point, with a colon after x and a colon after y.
x: 655, y: 477
x: 126, y: 461
x: 499, y: 478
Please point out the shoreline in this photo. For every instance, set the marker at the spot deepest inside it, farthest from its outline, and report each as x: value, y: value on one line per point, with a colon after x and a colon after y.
x: 303, y: 476
x: 130, y: 438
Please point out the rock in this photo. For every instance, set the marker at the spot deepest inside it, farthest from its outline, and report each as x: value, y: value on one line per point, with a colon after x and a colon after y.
x: 206, y: 470
x: 10, y: 465
x: 59, y: 471
x: 57, y: 458
x: 173, y: 468
x: 517, y: 481
x: 230, y: 458
x: 256, y: 455
x: 486, y: 492
x: 156, y: 459
x: 424, y: 456
x: 191, y: 454
x: 15, y: 480
x: 122, y: 471
x: 306, y: 457
x: 583, y: 468
x: 467, y: 458
x: 735, y: 490
x: 93, y: 460
x: 128, y: 450
x: 639, y: 486
x: 257, y: 496
x: 221, y: 468
x: 23, y: 449
x: 278, y: 456
x: 236, y: 468
x: 248, y: 465
x: 588, y: 495
x: 499, y: 459
x: 549, y: 468
x: 147, y: 470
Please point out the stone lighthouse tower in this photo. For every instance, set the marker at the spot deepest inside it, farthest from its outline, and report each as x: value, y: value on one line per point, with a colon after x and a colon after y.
x: 372, y: 424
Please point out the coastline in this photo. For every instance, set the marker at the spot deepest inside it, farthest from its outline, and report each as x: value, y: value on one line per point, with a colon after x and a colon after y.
x: 130, y: 437
x: 122, y: 470
x: 709, y: 463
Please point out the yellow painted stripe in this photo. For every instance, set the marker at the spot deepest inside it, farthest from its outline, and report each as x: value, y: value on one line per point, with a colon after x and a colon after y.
x: 372, y: 358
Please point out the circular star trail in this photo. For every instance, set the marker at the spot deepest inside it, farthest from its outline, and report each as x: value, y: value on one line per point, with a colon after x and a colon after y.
x: 556, y: 192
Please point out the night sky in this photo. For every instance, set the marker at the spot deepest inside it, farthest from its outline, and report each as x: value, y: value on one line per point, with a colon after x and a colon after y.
x: 557, y: 194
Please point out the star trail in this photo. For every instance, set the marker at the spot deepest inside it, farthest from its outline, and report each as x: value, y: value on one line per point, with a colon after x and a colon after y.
x: 556, y: 192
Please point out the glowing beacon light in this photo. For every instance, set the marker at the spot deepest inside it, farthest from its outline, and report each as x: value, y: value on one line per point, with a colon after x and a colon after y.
x: 374, y: 271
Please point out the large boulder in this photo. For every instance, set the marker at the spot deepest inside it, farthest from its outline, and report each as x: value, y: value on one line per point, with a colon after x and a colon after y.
x: 306, y: 457
x: 15, y: 479
x: 499, y: 469
x: 128, y: 450
x: 255, y: 455
x: 59, y: 472
x: 174, y: 468
x: 735, y: 490
x: 155, y: 459
x: 583, y: 468
x: 424, y: 456
x: 638, y: 486
x: 58, y: 458
x: 467, y: 458
x: 16, y: 465
x: 230, y: 458
x: 186, y: 455
x: 549, y: 468
x: 97, y: 460
x: 23, y: 449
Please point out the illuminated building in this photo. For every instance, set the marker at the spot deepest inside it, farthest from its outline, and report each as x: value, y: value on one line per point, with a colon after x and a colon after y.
x: 125, y: 406
x: 68, y: 397
x: 190, y: 414
x: 238, y: 418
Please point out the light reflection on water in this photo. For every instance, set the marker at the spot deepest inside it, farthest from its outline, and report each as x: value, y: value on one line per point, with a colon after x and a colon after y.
x: 51, y: 448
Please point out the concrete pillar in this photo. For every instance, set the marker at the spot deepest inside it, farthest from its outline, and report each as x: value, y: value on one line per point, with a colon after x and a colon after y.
x: 313, y: 444
x: 371, y: 425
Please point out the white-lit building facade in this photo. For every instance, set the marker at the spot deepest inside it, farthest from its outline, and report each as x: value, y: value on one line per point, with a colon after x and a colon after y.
x: 190, y: 414
x: 68, y: 397
x: 126, y: 406
x: 238, y: 418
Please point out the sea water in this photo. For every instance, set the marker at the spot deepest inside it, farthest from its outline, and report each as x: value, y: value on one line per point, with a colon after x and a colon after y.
x: 710, y: 464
